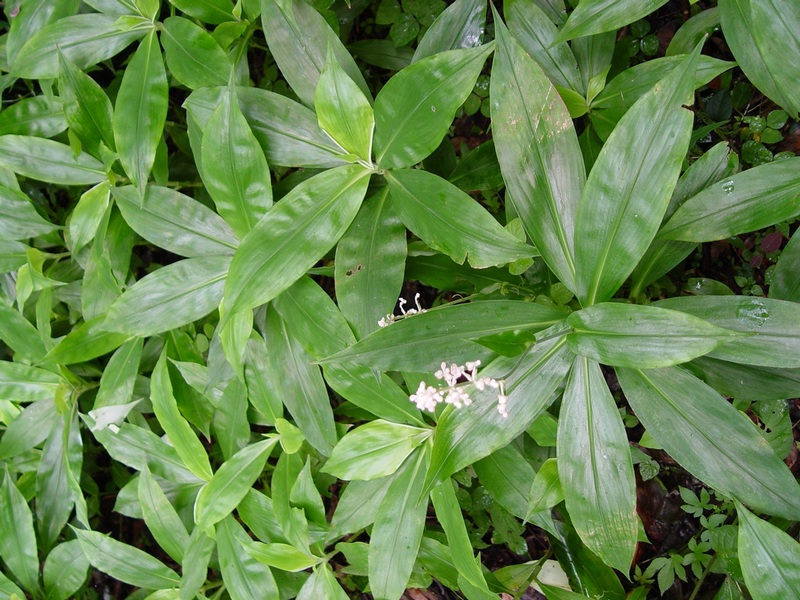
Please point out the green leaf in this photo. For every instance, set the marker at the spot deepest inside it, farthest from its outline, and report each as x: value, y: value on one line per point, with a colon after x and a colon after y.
x: 282, y: 556
x: 161, y: 518
x: 244, y: 576
x: 18, y: 542
x: 65, y: 570
x: 9, y: 589
x: 628, y: 335
x: 745, y: 382
x: 84, y: 39
x: 88, y: 215
x: 594, y: 467
x: 193, y: 56
x: 36, y: 15
x: 140, y: 111
x: 175, y: 222
x: 370, y: 263
x: 208, y: 11
x: 231, y: 483
x: 21, y: 383
x: 692, y: 31
x: 48, y: 160
x: 293, y: 235
x: 170, y: 297
x: 343, y: 110
x: 37, y: 116
x: 288, y: 132
x: 471, y: 433
x: 126, y: 563
x: 769, y: 558
x: 538, y: 153
x: 358, y: 505
x: 764, y: 39
x: 785, y: 280
x: 382, y: 53
x: 753, y: 199
x: 119, y: 377
x: 20, y: 335
x: 234, y: 168
x: 535, y: 32
x: 773, y: 325
x: 261, y: 389
x: 460, y: 25
x: 85, y: 342
x: 711, y: 439
x: 178, y: 430
x: 421, y: 342
x: 195, y: 563
x: 630, y: 185
x: 322, y: 584
x: 596, y: 16
x: 415, y: 108
x: 86, y: 107
x: 374, y: 450
x: 299, y: 38
x: 397, y: 532
x: 426, y: 204
x: 19, y: 219
x: 545, y: 492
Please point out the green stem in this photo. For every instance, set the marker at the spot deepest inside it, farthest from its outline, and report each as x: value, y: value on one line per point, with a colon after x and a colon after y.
x: 700, y: 581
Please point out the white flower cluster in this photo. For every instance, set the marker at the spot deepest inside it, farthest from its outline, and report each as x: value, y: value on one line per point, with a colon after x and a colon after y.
x: 389, y: 319
x: 457, y: 378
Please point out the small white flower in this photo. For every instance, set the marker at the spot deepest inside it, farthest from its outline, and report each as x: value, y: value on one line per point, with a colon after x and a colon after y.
x: 389, y: 319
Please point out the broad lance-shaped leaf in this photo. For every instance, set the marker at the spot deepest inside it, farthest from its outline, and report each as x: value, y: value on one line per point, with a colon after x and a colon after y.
x: 170, y: 297
x: 538, y: 152
x: 299, y: 38
x: 294, y: 235
x: 207, y: 11
x: 18, y: 542
x: 244, y: 576
x: 630, y: 185
x: 343, y: 110
x: 231, y: 483
x: 84, y: 39
x: 473, y: 432
x: 126, y: 563
x: 161, y: 518
x: 50, y: 161
x: 178, y: 430
x: 747, y: 201
x: 140, y: 111
x: 234, y: 168
x: 711, y: 439
x: 422, y: 341
x: 287, y: 131
x: 19, y: 220
x: 629, y: 335
x: 448, y: 220
x: 786, y: 279
x: 175, y: 222
x: 23, y: 383
x: 597, y: 16
x: 594, y: 466
x: 36, y: 16
x: 745, y: 382
x: 85, y: 342
x: 193, y: 56
x: 460, y: 25
x: 86, y: 107
x: 769, y: 558
x: 40, y: 116
x: 415, y: 108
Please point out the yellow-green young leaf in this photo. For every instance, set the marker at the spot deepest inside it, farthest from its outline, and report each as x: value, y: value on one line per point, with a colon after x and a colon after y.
x: 170, y: 297
x: 370, y: 263
x: 207, y: 11
x: 769, y: 558
x: 231, y: 483
x: 18, y: 542
x: 87, y: 341
x: 65, y: 570
x: 596, y: 16
x: 48, y: 160
x: 299, y: 39
x: 322, y: 584
x: 126, y: 563
x: 193, y: 56
x: 178, y: 430
x: 711, y: 439
x: 140, y: 111
x: 88, y: 214
x: 630, y: 185
x: 538, y: 153
x: 452, y: 222
x: 629, y: 335
x: 175, y: 222
x: 161, y: 518
x: 374, y: 450
x: 244, y: 576
x: 294, y: 235
x: 9, y: 588
x: 773, y: 327
x: 21, y: 383
x: 747, y: 201
x: 343, y: 110
x: 545, y: 490
x: 234, y: 168
x: 282, y: 556
x: 460, y: 25
x: 84, y: 39
x: 415, y: 108
x: 595, y: 468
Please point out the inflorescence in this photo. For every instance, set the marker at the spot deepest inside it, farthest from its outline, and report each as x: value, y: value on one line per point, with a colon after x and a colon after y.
x: 458, y: 378
x: 389, y: 319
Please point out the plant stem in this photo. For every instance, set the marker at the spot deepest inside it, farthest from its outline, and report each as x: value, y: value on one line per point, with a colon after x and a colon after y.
x: 700, y: 581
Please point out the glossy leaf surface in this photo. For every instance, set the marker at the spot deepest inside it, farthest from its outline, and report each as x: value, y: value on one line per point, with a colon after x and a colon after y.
x: 597, y: 16
x: 193, y: 57
x: 48, y: 160
x: 459, y: 26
